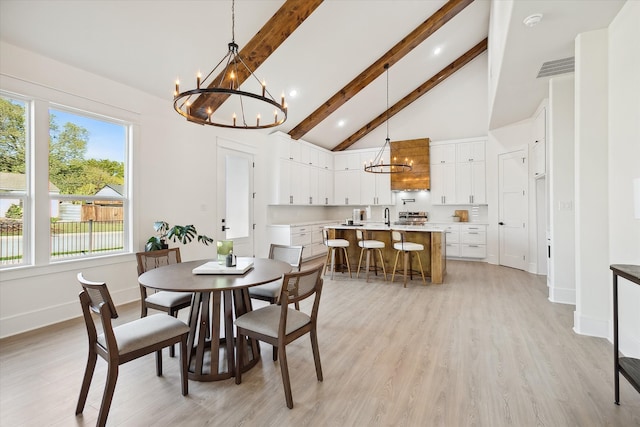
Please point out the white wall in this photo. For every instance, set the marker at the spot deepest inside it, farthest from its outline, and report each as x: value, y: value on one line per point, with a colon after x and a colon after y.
x: 624, y: 165
x: 174, y: 179
x: 562, y: 281
x: 591, y: 185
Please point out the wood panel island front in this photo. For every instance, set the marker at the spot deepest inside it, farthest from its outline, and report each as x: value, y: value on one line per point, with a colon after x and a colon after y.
x: 432, y: 238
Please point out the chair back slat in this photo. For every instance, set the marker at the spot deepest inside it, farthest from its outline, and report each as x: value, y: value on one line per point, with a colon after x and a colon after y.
x: 301, y: 285
x: 396, y: 236
x: 98, y: 295
x: 154, y: 259
x: 289, y: 254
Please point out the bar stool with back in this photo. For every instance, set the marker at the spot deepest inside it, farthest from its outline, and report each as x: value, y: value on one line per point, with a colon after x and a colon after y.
x: 332, y: 245
x: 406, y: 248
x: 368, y: 245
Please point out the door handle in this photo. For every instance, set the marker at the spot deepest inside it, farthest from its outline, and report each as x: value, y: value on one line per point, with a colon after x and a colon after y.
x: 501, y: 223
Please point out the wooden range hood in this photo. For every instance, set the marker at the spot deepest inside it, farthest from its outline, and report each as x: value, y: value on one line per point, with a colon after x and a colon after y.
x: 418, y: 178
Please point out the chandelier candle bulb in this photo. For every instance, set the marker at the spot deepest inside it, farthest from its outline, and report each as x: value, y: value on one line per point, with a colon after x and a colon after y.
x: 198, y: 78
x: 234, y: 119
x: 177, y: 87
x: 258, y: 120
x: 282, y: 100
x: 264, y: 87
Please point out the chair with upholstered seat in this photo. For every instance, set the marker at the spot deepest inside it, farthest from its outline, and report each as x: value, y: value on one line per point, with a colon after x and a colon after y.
x: 278, y: 324
x: 332, y: 245
x: 271, y: 291
x: 169, y: 302
x: 366, y: 246
x: 123, y: 343
x: 401, y: 245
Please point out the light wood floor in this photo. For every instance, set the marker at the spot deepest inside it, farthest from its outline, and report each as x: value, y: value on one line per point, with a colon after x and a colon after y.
x: 485, y: 349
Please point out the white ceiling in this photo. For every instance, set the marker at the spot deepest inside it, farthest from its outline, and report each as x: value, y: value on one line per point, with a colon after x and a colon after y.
x: 148, y: 44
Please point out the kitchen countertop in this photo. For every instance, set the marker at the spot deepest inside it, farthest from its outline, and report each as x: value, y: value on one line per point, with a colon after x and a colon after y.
x: 383, y: 227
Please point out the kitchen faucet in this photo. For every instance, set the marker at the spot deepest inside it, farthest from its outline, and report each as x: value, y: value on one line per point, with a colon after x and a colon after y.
x: 387, y: 217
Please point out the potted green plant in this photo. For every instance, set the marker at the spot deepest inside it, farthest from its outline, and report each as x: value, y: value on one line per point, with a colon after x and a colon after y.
x: 178, y: 233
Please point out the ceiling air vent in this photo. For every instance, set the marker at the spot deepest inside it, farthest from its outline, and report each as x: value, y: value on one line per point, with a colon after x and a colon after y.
x: 559, y: 66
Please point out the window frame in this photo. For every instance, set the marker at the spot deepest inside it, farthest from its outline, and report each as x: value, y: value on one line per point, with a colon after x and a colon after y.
x: 36, y: 234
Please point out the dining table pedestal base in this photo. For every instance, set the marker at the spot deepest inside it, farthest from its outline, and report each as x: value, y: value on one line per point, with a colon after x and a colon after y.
x: 212, y: 337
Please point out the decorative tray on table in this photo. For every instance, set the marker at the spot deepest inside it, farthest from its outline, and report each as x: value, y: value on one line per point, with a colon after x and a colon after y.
x: 212, y: 267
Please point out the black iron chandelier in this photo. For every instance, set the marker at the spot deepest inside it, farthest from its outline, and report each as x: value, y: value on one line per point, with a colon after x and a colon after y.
x: 204, y: 104
x: 378, y: 165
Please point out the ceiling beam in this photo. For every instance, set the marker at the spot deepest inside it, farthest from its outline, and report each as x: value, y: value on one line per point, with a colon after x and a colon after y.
x: 397, y: 52
x: 281, y: 25
x: 421, y: 90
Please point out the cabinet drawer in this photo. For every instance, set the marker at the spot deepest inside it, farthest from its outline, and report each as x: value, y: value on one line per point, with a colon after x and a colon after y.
x: 452, y: 236
x: 473, y: 251
x: 301, y: 239
x: 474, y: 237
x: 452, y: 250
x: 298, y: 229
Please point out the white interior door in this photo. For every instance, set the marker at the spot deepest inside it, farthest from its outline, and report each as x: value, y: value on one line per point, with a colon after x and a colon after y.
x: 235, y: 199
x: 513, y: 208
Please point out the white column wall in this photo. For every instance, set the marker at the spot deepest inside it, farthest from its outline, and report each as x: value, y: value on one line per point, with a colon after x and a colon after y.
x: 591, y: 316
x: 624, y: 165
x: 562, y: 283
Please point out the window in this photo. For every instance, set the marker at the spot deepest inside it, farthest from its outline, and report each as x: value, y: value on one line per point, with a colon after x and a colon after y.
x: 14, y: 183
x: 84, y: 190
x: 86, y: 184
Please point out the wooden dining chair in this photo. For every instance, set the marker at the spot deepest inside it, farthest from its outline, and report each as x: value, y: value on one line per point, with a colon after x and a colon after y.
x: 278, y: 324
x: 123, y: 343
x: 169, y: 302
x: 271, y: 291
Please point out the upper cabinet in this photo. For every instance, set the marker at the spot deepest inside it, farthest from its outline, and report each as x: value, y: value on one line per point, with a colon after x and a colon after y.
x: 458, y: 173
x: 539, y: 148
x: 301, y: 174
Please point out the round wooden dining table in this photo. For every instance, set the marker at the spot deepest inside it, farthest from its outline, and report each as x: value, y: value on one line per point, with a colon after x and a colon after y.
x: 217, y: 300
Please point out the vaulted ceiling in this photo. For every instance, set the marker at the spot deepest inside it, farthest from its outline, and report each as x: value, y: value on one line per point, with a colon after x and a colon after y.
x: 331, y: 53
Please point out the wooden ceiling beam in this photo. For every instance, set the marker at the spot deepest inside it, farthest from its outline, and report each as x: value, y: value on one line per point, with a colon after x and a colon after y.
x: 281, y: 25
x: 417, y: 93
x: 397, y: 52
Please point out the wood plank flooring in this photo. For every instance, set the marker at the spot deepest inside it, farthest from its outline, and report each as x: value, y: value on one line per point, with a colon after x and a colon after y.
x: 485, y: 349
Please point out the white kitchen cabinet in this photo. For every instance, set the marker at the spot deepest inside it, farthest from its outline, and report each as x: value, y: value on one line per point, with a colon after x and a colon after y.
x: 457, y: 171
x: 443, y: 183
x: 347, y: 187
x: 325, y: 187
x: 375, y: 188
x: 470, y: 151
x: 347, y: 161
x: 473, y: 238
x: 309, y: 236
x: 470, y: 183
x: 445, y: 153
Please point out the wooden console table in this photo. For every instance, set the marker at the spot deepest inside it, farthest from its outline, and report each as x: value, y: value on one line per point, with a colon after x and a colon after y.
x: 627, y: 366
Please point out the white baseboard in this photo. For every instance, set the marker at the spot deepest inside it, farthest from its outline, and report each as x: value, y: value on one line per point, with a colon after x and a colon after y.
x: 592, y: 327
x: 562, y: 295
x: 25, y: 322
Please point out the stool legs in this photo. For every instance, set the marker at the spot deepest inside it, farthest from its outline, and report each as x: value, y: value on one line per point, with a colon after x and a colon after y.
x: 367, y: 263
x: 331, y: 260
x: 405, y: 262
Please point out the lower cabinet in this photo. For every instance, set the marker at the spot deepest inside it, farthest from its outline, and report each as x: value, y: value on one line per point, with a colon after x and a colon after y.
x: 465, y: 240
x: 307, y: 235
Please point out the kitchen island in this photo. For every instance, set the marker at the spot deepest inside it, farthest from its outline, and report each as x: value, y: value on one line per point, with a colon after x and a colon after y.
x: 432, y: 238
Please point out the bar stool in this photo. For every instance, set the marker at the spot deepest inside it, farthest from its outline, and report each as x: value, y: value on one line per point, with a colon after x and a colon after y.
x: 367, y: 245
x: 332, y: 245
x: 401, y: 245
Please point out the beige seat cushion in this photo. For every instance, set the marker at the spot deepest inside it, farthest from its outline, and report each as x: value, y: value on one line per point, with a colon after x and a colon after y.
x: 337, y: 243
x: 266, y: 320
x: 169, y: 299
x: 145, y: 331
x: 269, y: 290
x: 408, y: 246
x: 371, y: 244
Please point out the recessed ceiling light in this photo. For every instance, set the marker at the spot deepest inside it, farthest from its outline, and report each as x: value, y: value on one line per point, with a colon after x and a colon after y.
x: 437, y: 50
x: 532, y: 20
x: 293, y: 93
x: 341, y: 123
